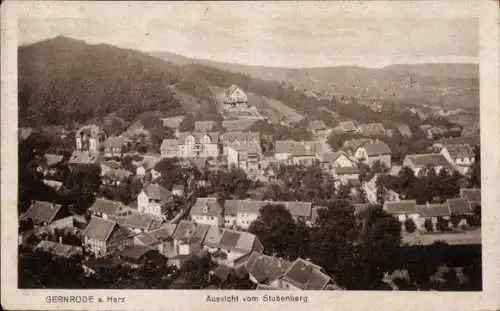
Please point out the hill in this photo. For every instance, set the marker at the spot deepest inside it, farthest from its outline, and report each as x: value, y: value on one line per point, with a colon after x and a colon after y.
x: 454, y: 85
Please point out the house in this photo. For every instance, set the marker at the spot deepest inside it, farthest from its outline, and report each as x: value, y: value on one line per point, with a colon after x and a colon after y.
x: 347, y: 126
x: 114, y: 146
x: 59, y: 249
x: 188, y: 238
x: 204, y: 126
x: 299, y: 153
x: 318, y: 128
x: 371, y: 129
x: 372, y: 152
x: 107, y: 208
x: 304, y: 275
x: 331, y: 160
x: 235, y: 98
x: 229, y: 139
x: 207, y: 211
x: 173, y: 123
x: 238, y: 125
x: 241, y: 213
x: 346, y: 175
x: 79, y: 157
x: 350, y: 146
x: 161, y: 239
x: 116, y: 177
x: 93, y: 266
x: 404, y: 130
x: 169, y: 148
x: 44, y: 213
x: 136, y: 256
x: 263, y: 269
x: 155, y: 200
x: 247, y: 157
x: 403, y: 210
x: 459, y: 206
x: 459, y: 154
x: 432, y: 212
x: 473, y: 195
x: 230, y: 247
x: 90, y: 138
x: 196, y: 145
x: 139, y: 222
x: 103, y: 237
x: 419, y: 162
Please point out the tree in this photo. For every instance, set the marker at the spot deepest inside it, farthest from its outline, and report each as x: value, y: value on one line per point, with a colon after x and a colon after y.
x: 187, y: 124
x: 429, y: 226
x: 455, y: 220
x: 410, y: 226
x: 379, y: 167
x: 442, y: 224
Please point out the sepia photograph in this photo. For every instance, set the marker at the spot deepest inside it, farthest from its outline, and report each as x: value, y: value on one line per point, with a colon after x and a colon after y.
x: 257, y: 146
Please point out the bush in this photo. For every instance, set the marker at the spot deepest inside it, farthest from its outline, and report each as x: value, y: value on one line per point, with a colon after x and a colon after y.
x: 429, y: 226
x: 442, y: 224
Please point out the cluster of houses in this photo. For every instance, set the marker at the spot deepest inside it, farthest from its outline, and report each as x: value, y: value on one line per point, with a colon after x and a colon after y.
x: 116, y: 233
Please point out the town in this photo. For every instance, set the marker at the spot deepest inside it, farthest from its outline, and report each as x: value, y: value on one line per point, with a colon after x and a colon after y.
x: 244, y: 202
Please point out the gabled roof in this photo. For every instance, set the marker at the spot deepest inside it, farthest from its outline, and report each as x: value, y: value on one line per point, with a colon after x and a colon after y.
x: 58, y: 249
x: 42, y: 212
x: 296, y: 209
x: 376, y: 148
x: 459, y: 206
x: 140, y: 221
x: 206, y: 207
x: 135, y: 252
x: 331, y: 156
x: 354, y: 144
x: 292, y: 147
x: 265, y: 268
x: 245, y: 149
x: 157, y: 192
x: 100, y: 229
x: 424, y: 160
x: 472, y: 194
x: 306, y: 275
x: 231, y: 240
x: 105, y: 206
x: 164, y: 233
x: 459, y: 151
x: 228, y: 94
x: 204, y: 126
x: 433, y: 210
x: 190, y: 231
x: 401, y: 207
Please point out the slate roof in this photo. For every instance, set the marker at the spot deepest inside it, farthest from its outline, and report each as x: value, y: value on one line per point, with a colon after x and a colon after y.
x: 204, y: 126
x: 58, y: 249
x: 265, y: 268
x: 376, y: 148
x: 238, y: 124
x: 42, y: 212
x: 472, y: 194
x: 100, y: 229
x: 206, y: 207
x: 423, y: 160
x: 297, y: 209
x: 164, y: 233
x: 84, y: 157
x: 433, y: 210
x: 305, y: 275
x: 401, y: 207
x: 192, y: 230
x: 140, y: 221
x: 459, y: 206
x: 231, y: 240
x: 313, y: 147
x: 157, y: 192
x: 109, y: 207
x: 292, y: 147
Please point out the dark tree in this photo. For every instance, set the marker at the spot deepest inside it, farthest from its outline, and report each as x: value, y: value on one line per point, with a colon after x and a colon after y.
x: 429, y: 226
x: 442, y: 224
x: 410, y: 226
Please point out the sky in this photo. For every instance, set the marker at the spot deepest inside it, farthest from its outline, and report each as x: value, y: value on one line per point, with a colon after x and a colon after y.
x: 284, y: 34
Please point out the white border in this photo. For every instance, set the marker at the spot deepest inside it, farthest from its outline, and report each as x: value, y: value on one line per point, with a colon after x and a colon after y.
x: 488, y: 299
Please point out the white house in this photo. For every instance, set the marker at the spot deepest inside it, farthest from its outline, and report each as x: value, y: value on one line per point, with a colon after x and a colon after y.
x: 154, y: 200
x: 374, y: 151
x: 207, y: 211
x: 459, y: 154
x: 419, y: 162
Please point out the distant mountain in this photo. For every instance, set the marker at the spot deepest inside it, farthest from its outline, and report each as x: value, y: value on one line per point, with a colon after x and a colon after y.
x: 448, y: 84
